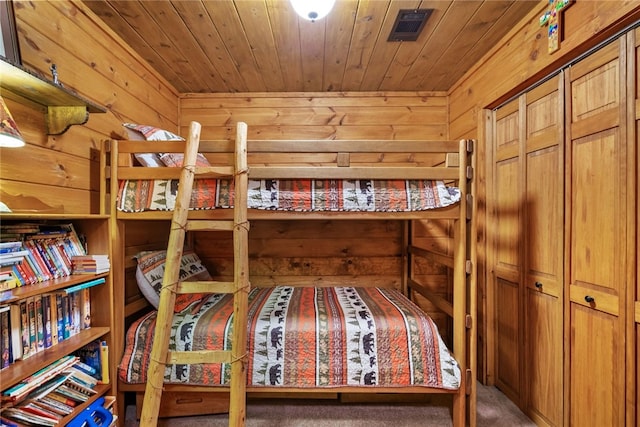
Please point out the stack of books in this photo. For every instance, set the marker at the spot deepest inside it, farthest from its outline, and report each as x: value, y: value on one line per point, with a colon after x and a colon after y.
x: 50, y: 394
x: 90, y: 264
x: 11, y: 258
x: 33, y: 253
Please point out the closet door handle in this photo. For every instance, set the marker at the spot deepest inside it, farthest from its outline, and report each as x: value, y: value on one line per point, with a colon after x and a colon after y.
x: 538, y: 285
x: 589, y: 299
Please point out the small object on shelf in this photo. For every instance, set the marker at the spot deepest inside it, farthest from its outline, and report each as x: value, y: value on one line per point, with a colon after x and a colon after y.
x: 54, y: 73
x: 90, y: 264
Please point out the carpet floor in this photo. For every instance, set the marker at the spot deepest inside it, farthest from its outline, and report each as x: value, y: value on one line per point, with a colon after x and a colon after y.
x: 494, y: 410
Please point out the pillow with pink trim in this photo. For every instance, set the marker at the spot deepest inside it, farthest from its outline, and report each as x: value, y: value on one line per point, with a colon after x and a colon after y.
x: 150, y: 272
x: 137, y: 132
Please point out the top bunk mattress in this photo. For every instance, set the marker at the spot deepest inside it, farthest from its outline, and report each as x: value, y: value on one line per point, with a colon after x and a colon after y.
x: 299, y: 195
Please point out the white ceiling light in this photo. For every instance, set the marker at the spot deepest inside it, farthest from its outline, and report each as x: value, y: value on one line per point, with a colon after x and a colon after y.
x: 312, y: 10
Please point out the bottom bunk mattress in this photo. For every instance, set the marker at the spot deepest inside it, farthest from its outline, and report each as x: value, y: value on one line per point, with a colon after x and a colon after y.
x: 305, y: 337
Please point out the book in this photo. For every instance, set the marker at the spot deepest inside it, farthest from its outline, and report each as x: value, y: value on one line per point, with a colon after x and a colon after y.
x: 39, y: 323
x: 46, y: 320
x: 55, y: 405
x: 59, y: 315
x: 11, y: 246
x: 89, y: 355
x: 66, y: 316
x: 53, y: 316
x: 83, y: 285
x: 87, y: 369
x: 76, y: 321
x: 36, y: 408
x: 71, y: 393
x: 24, y: 329
x: 31, y: 315
x: 79, y: 386
x: 5, y: 337
x: 80, y: 375
x: 62, y: 399
x: 85, y: 308
x: 15, y: 320
x: 20, y: 415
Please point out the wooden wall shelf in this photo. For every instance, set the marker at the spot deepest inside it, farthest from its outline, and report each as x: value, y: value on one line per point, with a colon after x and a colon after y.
x: 64, y: 108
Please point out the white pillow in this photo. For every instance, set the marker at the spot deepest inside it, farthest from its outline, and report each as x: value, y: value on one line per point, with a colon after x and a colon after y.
x: 150, y: 271
x: 149, y: 133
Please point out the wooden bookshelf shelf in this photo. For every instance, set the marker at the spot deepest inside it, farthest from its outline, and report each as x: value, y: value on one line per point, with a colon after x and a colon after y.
x: 22, y: 292
x: 24, y: 368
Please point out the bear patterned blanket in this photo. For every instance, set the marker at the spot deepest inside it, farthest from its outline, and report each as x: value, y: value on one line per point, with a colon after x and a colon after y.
x: 306, y: 337
x: 293, y: 195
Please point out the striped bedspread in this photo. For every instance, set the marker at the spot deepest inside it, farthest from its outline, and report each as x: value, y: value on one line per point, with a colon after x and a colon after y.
x: 293, y: 195
x: 306, y: 337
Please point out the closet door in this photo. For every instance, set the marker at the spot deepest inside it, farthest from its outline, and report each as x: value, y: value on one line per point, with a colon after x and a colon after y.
x: 506, y: 231
x: 543, y: 211
x: 597, y: 228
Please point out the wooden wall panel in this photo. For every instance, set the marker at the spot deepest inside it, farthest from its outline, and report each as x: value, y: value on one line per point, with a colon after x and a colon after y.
x: 62, y: 173
x: 376, y: 115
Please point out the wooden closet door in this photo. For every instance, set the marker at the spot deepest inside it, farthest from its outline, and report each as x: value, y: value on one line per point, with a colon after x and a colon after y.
x: 544, y: 251
x: 506, y: 231
x: 597, y: 229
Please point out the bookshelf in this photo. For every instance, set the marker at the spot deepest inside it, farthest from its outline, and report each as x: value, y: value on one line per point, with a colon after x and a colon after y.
x: 95, y: 230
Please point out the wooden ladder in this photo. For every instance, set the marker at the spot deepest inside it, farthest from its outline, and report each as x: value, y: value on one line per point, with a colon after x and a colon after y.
x: 171, y: 285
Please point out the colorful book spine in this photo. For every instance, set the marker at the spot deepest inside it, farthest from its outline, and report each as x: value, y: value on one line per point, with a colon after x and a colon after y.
x: 39, y: 323
x: 16, y: 331
x: 24, y: 330
x: 66, y: 315
x: 59, y: 315
x: 85, y: 285
x: 33, y: 338
x: 5, y: 337
x: 85, y: 306
x: 46, y: 320
x: 76, y: 316
x: 53, y: 313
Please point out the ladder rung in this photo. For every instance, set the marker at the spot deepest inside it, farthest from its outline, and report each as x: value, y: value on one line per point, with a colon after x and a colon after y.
x: 206, y: 287
x: 202, y: 225
x: 214, y: 171
x: 199, y: 356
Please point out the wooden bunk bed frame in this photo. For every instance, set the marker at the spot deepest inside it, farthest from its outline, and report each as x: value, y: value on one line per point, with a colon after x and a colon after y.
x: 449, y: 161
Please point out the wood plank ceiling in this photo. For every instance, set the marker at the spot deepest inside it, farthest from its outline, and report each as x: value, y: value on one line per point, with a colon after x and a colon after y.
x: 263, y: 46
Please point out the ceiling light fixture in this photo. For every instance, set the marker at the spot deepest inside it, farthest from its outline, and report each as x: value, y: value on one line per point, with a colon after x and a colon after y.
x: 9, y: 134
x: 312, y: 10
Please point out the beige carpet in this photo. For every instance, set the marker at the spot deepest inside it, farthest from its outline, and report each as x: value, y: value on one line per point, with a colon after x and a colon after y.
x: 494, y: 410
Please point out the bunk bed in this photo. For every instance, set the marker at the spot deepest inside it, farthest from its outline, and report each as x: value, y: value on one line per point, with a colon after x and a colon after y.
x: 303, y: 180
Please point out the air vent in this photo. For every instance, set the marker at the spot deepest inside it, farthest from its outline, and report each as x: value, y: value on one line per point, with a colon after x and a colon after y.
x: 408, y: 25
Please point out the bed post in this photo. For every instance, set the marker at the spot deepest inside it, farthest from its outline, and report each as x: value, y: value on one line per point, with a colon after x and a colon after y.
x: 464, y: 294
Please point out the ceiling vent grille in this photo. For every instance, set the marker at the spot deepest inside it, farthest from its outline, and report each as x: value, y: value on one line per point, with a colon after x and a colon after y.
x: 409, y: 23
